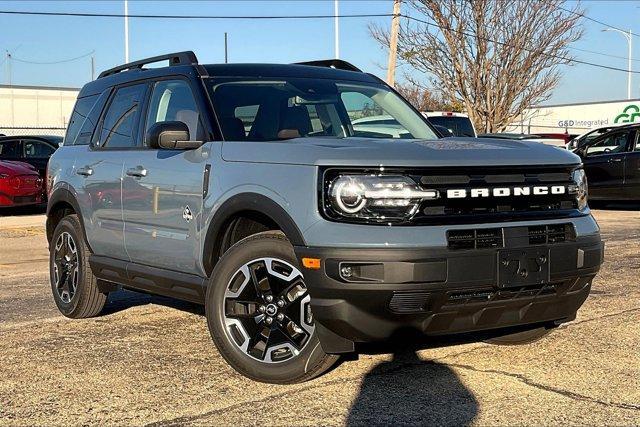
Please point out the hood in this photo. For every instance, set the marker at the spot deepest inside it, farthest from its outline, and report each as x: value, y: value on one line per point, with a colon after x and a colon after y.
x: 10, y: 167
x: 444, y: 152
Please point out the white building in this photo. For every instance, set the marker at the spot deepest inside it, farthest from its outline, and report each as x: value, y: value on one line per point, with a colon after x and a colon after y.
x: 35, y: 109
x: 576, y: 118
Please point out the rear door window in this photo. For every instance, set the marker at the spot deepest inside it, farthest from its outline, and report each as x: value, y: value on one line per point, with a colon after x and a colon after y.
x: 120, y: 123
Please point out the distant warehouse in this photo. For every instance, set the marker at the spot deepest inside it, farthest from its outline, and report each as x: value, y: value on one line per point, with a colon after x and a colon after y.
x: 35, y: 109
x: 576, y: 118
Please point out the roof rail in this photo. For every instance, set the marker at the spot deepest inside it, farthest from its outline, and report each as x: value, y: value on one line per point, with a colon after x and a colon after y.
x: 178, y: 58
x: 332, y: 63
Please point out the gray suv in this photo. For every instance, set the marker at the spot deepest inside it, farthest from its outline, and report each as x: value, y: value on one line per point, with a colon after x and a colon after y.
x: 247, y: 188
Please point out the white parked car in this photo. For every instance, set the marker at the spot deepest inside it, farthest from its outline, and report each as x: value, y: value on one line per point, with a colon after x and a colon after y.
x: 458, y: 124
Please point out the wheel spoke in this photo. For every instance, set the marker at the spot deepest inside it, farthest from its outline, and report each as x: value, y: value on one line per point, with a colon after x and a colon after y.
x: 241, y: 309
x: 260, y: 343
x: 260, y: 278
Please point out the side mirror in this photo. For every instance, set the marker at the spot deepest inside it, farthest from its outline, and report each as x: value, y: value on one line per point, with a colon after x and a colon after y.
x: 170, y: 136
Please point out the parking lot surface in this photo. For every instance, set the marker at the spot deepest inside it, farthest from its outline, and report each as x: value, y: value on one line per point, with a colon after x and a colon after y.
x: 150, y: 360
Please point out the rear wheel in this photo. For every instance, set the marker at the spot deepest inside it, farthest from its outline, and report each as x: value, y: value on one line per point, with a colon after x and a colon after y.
x: 259, y: 313
x: 75, y: 289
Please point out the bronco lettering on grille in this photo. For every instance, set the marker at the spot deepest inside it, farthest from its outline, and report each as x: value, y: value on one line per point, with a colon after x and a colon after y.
x: 538, y: 190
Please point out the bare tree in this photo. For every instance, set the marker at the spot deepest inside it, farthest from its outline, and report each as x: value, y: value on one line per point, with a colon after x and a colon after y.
x: 497, y: 58
x: 424, y: 99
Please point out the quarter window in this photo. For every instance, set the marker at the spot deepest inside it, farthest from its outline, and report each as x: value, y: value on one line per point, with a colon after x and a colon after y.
x: 173, y: 100
x: 120, y: 122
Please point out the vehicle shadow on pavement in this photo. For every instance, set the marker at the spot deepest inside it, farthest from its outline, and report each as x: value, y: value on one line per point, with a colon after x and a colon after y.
x: 124, y: 299
x: 408, y: 390
x: 24, y: 210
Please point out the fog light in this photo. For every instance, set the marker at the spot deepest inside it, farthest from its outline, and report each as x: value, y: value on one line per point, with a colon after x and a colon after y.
x: 346, y: 272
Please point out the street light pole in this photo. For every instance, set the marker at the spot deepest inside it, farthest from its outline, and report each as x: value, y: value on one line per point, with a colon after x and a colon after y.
x: 627, y: 35
x: 126, y: 31
x: 336, y: 25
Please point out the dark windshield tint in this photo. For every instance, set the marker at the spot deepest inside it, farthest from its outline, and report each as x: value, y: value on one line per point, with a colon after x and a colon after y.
x: 459, y: 126
x: 259, y: 110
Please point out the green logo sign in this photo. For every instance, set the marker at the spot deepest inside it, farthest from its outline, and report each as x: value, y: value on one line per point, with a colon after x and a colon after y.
x: 630, y: 114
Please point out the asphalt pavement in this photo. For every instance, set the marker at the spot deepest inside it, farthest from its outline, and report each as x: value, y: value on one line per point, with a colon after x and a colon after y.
x: 150, y: 360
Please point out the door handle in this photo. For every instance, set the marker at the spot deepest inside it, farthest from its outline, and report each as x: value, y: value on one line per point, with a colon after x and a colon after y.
x: 85, y: 171
x: 138, y: 172
x: 615, y: 160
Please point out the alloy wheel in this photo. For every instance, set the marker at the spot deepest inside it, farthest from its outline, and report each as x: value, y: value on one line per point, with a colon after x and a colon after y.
x: 65, y: 267
x: 267, y: 310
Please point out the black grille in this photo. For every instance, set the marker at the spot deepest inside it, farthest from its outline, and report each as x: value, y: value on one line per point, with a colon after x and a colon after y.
x: 467, y: 297
x: 552, y: 233
x: 448, y: 210
x: 475, y: 239
x: 409, y: 302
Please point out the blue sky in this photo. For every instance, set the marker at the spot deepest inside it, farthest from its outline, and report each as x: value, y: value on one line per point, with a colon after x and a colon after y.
x: 45, y: 39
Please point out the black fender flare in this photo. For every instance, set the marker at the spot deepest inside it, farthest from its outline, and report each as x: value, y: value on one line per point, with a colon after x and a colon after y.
x: 248, y: 202
x: 63, y: 194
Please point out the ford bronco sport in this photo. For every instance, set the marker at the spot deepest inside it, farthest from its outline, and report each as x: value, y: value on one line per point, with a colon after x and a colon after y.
x: 248, y: 189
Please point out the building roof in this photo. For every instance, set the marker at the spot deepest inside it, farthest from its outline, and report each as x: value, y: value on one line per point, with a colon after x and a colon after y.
x: 76, y: 89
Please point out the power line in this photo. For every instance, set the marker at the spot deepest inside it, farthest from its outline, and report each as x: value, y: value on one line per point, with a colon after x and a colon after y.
x: 597, y: 21
x: 120, y: 15
x: 602, y: 53
x: 13, y: 58
x: 575, y: 61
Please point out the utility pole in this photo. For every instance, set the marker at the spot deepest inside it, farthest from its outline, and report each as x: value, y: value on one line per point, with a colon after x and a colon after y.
x: 393, y: 43
x: 93, y: 68
x: 126, y: 31
x: 9, y: 71
x: 226, y: 55
x: 336, y: 25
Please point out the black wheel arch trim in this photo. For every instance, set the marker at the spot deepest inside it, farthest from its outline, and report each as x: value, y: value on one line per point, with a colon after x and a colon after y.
x: 65, y: 195
x: 248, y: 202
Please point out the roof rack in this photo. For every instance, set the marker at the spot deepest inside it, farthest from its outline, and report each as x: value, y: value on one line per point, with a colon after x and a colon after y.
x: 178, y: 58
x: 332, y: 63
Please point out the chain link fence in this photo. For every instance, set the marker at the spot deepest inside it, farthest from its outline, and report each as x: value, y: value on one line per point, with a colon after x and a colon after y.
x: 19, y: 131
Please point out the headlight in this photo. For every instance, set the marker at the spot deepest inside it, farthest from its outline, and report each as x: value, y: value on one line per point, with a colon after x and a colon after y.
x: 377, y: 198
x: 581, y: 188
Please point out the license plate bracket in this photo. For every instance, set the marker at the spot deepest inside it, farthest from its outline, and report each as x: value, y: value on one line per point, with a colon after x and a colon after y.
x: 523, y: 267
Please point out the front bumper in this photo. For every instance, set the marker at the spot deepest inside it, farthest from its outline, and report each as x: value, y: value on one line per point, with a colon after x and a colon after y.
x: 441, y: 291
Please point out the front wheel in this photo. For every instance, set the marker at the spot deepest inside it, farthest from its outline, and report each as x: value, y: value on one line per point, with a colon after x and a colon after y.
x: 259, y: 313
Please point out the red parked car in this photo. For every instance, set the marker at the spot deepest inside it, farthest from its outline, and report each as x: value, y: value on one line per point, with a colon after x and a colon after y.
x: 20, y: 184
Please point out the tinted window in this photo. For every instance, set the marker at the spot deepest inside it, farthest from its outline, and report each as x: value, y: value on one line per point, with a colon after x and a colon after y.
x: 259, y: 110
x: 34, y: 149
x: 121, y: 119
x: 459, y: 126
x: 172, y: 100
x: 615, y: 142
x: 80, y: 112
x: 10, y: 149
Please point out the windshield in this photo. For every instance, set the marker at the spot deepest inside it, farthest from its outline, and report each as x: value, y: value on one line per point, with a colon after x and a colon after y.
x: 258, y: 110
x: 459, y: 126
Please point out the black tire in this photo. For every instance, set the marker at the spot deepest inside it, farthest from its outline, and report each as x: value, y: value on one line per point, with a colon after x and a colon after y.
x: 85, y: 300
x: 308, y: 363
x: 522, y: 337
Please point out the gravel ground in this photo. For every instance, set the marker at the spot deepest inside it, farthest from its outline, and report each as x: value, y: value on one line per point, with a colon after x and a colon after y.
x: 150, y: 360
